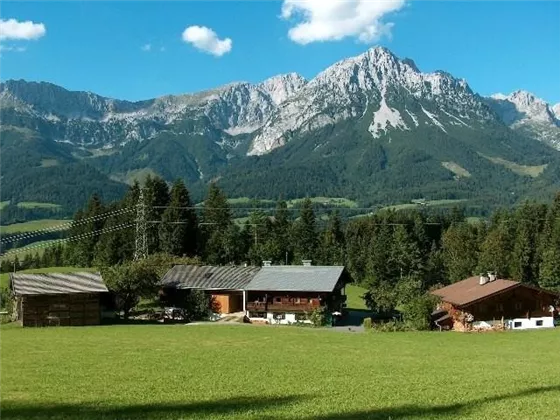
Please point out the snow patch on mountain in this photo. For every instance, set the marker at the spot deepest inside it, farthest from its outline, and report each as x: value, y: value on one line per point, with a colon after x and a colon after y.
x: 414, y: 119
x: 385, y: 116
x: 434, y: 119
x: 461, y: 122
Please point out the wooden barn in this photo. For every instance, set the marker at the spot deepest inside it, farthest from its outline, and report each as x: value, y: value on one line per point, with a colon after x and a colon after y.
x: 488, y: 302
x: 53, y: 299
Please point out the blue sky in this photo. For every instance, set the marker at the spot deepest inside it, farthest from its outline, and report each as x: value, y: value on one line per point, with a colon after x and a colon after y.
x: 497, y: 46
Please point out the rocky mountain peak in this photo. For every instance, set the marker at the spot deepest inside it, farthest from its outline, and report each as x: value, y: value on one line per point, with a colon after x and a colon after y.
x: 556, y: 111
x: 283, y: 86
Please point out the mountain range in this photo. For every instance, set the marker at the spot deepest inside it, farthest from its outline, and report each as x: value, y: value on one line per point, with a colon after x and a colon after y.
x: 373, y: 128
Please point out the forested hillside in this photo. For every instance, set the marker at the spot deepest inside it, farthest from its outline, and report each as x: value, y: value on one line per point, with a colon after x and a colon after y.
x: 396, y: 255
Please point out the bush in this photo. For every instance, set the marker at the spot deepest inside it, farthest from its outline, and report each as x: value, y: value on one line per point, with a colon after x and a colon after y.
x: 417, y: 312
x: 391, y: 326
x: 318, y: 318
x: 196, y: 306
x: 368, y: 325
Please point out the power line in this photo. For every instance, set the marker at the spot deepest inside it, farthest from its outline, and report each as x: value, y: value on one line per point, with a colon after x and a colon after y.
x: 64, y: 226
x: 70, y: 239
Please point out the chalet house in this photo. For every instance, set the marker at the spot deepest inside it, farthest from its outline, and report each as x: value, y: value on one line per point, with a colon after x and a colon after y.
x: 51, y: 299
x: 271, y: 294
x: 226, y: 284
x: 287, y: 294
x: 486, y: 301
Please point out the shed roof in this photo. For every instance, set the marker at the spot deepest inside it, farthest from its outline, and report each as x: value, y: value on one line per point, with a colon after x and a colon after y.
x: 296, y: 278
x: 470, y: 290
x: 56, y: 283
x: 227, y: 277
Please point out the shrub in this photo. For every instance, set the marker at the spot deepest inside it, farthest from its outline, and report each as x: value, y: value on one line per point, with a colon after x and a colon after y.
x: 318, y: 318
x: 418, y: 310
x: 391, y: 326
x: 368, y: 325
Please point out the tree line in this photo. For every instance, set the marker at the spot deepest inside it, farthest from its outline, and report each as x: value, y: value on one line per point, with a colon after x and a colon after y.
x: 396, y: 255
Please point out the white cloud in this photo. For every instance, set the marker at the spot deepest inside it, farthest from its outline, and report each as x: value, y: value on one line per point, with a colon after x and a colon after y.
x: 205, y: 39
x: 12, y: 48
x: 333, y: 20
x: 12, y: 29
x: 146, y: 47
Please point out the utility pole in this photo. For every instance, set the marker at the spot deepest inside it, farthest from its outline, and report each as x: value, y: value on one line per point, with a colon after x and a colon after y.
x: 141, y: 248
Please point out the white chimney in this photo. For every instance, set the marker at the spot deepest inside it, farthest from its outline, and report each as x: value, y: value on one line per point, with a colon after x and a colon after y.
x: 483, y: 280
x: 491, y: 276
x: 266, y: 263
x: 306, y: 263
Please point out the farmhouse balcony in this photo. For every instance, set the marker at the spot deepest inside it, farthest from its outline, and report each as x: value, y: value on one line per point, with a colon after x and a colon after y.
x: 282, y: 307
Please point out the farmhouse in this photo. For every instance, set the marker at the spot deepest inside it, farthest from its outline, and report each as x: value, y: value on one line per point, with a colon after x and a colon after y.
x: 226, y: 284
x: 286, y: 294
x: 57, y: 298
x: 279, y: 294
x: 486, y: 301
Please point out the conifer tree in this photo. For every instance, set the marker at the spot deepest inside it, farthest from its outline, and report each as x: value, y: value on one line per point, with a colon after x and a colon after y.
x: 178, y: 233
x: 305, y: 232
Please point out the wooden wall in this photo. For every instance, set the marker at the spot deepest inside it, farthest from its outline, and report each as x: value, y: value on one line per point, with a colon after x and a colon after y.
x: 61, y: 309
x: 521, y: 302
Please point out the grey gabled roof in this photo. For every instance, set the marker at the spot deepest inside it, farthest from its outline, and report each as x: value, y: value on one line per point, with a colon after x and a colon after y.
x: 227, y: 277
x: 23, y: 284
x: 296, y: 278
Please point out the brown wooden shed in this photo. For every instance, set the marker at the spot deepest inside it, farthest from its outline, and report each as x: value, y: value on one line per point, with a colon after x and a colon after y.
x: 53, y: 299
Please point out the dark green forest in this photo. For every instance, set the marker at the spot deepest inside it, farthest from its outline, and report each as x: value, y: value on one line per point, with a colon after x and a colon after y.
x: 395, y: 255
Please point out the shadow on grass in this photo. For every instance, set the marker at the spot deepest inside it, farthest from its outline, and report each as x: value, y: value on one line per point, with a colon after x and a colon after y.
x: 251, y: 408
x: 195, y: 410
x: 430, y: 412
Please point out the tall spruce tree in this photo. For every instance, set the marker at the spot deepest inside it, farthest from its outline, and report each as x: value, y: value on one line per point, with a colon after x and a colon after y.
x: 305, y: 232
x: 218, y: 229
x: 178, y: 233
x: 332, y: 242
x: 156, y: 196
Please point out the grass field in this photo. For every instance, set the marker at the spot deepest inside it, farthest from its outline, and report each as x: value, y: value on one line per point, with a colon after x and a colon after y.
x: 354, y: 295
x: 429, y: 203
x: 276, y: 373
x: 526, y: 170
x: 30, y: 226
x: 38, y: 205
x: 29, y: 249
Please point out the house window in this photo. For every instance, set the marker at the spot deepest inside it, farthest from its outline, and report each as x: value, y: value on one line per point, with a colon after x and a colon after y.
x: 277, y: 300
x: 517, y: 324
x: 258, y: 315
x: 499, y: 307
x: 301, y: 317
x: 518, y: 305
x: 279, y: 315
x: 539, y: 323
x: 296, y: 300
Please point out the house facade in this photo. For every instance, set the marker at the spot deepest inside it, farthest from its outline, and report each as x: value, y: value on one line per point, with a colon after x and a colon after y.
x: 290, y: 294
x: 484, y: 302
x: 268, y: 294
x: 57, y: 299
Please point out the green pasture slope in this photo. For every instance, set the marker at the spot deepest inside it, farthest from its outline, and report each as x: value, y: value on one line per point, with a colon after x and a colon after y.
x: 31, y: 226
x: 276, y: 373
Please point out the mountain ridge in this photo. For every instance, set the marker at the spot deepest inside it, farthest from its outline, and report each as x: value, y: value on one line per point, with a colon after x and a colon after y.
x: 367, y: 126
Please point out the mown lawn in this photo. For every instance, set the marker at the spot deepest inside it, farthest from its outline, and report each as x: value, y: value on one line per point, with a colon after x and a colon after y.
x: 267, y: 372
